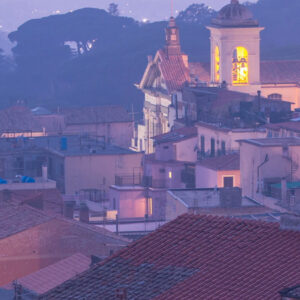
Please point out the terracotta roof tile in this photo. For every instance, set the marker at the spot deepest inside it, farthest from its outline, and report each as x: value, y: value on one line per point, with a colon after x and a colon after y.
x: 173, y: 70
x: 225, y: 162
x: 196, y: 257
x: 49, y: 277
x: 176, y: 135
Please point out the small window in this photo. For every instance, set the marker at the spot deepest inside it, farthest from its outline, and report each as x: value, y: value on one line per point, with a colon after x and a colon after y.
x: 166, y: 147
x: 170, y: 175
x: 223, y: 148
x: 162, y: 170
x: 212, y: 147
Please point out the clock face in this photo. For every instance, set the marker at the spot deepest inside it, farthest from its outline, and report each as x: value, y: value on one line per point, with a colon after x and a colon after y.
x: 173, y: 37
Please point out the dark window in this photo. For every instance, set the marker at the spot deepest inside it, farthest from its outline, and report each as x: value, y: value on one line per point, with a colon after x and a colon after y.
x: 162, y: 170
x: 212, y: 147
x: 223, y: 148
x: 166, y: 147
x: 202, y: 145
x: 114, y: 204
x: 228, y: 182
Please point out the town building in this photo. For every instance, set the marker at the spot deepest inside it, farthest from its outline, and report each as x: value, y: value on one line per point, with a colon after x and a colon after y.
x: 196, y: 257
x: 221, y: 171
x: 235, y: 66
x: 78, y: 163
x: 215, y: 140
x: 31, y: 239
x: 268, y: 161
x: 285, y: 129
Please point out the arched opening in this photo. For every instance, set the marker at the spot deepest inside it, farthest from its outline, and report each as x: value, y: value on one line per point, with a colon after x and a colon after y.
x: 240, y: 70
x: 217, y: 64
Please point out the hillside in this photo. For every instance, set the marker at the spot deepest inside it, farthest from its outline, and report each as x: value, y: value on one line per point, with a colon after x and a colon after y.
x: 90, y: 57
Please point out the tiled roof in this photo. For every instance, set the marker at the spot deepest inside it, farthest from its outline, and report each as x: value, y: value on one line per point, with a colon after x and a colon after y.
x: 196, y: 257
x: 48, y: 200
x: 49, y: 277
x: 18, y: 218
x: 176, y: 135
x: 284, y: 71
x: 173, y: 71
x: 292, y: 126
x: 199, y: 71
x: 274, y: 142
x: 222, y: 163
x: 96, y: 114
x: 18, y: 119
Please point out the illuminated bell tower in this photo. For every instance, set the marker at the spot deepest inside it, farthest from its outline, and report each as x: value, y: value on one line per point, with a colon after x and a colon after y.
x: 235, y: 49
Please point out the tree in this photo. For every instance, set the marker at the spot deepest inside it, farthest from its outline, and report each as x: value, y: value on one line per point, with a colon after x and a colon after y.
x: 113, y: 9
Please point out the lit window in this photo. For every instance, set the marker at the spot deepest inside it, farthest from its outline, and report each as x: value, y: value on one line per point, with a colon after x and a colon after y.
x: 170, y: 175
x: 217, y: 65
x: 150, y: 207
x: 240, y: 71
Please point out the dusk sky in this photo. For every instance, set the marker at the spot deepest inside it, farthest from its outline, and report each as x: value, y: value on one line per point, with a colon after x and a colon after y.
x: 15, y: 12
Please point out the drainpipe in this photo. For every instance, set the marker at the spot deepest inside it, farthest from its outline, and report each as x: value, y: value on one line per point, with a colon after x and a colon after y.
x: 258, y: 177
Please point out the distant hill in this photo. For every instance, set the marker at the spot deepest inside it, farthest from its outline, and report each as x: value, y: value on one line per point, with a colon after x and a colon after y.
x: 91, y: 57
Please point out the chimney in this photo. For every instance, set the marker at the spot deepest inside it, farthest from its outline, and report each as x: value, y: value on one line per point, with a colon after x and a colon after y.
x: 284, y: 190
x: 150, y: 59
x: 45, y: 172
x: 290, y: 221
x: 69, y: 209
x: 230, y: 197
x: 84, y: 213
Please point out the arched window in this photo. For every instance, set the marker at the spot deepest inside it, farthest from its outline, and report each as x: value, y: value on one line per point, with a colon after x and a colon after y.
x: 217, y: 64
x: 275, y: 96
x: 240, y: 70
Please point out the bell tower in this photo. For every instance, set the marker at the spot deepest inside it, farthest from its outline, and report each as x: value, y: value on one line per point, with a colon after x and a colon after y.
x: 172, y: 39
x: 235, y: 49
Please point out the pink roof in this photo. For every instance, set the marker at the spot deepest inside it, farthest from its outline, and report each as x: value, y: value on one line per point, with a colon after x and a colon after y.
x: 197, y: 257
x: 176, y: 135
x: 49, y: 277
x: 227, y: 162
x: 173, y: 70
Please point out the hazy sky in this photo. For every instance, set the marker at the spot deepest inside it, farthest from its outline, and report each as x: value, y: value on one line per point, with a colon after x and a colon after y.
x: 15, y: 12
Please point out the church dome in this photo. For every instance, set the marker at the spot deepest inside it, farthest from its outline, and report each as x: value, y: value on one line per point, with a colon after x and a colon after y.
x: 235, y: 15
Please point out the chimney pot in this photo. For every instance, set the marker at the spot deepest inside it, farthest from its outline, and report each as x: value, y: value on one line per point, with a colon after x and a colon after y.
x: 69, y: 209
x: 84, y: 213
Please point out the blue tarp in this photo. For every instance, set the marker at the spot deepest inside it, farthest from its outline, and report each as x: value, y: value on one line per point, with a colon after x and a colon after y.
x: 3, y: 181
x: 26, y: 179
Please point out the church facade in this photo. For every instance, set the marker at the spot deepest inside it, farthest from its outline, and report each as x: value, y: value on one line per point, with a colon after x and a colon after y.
x: 235, y: 63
